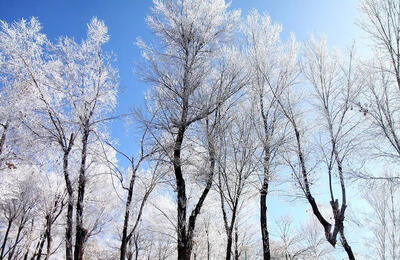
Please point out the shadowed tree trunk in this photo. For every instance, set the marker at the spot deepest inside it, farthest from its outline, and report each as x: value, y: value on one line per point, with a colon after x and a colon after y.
x: 70, y: 202
x: 81, y: 232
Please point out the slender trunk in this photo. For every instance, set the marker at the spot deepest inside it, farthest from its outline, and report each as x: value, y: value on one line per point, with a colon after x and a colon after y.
x: 264, y: 188
x: 230, y: 232
x: 40, y: 245
x: 307, y: 192
x: 136, y: 249
x: 229, y: 246
x: 81, y: 232
x: 184, y: 249
x: 70, y: 207
x: 346, y: 246
x: 124, y: 239
x: 49, y: 238
x: 195, y: 212
x: 263, y: 220
x: 3, y: 246
x: 236, y: 244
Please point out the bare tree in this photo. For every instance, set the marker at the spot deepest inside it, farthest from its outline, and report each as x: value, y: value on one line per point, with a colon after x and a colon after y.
x: 264, y: 58
x: 335, y: 86
x: 189, y: 83
x: 380, y: 101
x: 128, y: 183
x: 18, y: 210
x: 236, y: 165
x: 382, y: 217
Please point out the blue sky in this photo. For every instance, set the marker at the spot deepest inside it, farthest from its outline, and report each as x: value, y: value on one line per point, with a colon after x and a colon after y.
x: 126, y: 22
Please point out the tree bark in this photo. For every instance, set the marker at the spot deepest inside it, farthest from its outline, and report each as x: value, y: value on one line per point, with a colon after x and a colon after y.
x: 70, y: 207
x: 263, y: 220
x: 81, y: 232
x: 184, y: 249
x: 228, y: 252
x: 236, y: 243
x: 124, y: 239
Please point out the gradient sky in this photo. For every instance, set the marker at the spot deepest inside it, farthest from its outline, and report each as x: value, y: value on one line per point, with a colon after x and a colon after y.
x: 125, y: 20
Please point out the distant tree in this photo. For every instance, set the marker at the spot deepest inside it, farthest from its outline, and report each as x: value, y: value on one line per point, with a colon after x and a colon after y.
x: 379, y: 101
x: 382, y: 218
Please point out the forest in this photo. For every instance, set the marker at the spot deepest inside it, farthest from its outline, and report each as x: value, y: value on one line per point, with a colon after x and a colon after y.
x: 235, y: 119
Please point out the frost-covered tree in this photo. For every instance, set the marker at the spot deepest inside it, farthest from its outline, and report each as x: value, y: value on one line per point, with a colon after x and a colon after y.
x: 271, y: 72
x: 189, y: 82
x: 69, y: 87
x: 92, y: 86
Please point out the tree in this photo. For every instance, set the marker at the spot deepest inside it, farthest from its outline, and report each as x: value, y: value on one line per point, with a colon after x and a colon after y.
x: 381, y: 218
x: 187, y: 85
x: 22, y: 49
x: 237, y: 163
x: 149, y: 178
x: 264, y: 53
x: 92, y: 86
x: 380, y: 100
x: 335, y: 86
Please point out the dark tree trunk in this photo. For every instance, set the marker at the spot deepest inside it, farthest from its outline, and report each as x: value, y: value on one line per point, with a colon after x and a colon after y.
x: 263, y: 220
x: 229, y: 246
x: 124, y: 239
x: 326, y: 225
x: 186, y: 231
x: 40, y: 245
x: 236, y: 244
x: 230, y: 232
x: 70, y: 207
x: 136, y: 248
x: 81, y: 232
x: 49, y: 237
x: 268, y: 131
x: 346, y: 246
x: 184, y: 249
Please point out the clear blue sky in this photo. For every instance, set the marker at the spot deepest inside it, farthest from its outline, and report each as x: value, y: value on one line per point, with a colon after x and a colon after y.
x: 125, y: 20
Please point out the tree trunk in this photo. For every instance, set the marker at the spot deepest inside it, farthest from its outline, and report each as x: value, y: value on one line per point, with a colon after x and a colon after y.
x: 125, y: 239
x: 236, y: 244
x: 264, y: 188
x: 81, y: 232
x: 263, y: 220
x: 70, y: 207
x: 184, y: 250
x: 136, y: 249
x: 39, y: 247
x: 229, y: 246
x: 49, y: 237
x: 346, y: 246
